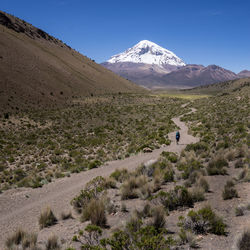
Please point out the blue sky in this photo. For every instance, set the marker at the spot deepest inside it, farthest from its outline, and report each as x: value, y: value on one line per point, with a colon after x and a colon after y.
x: 199, y: 31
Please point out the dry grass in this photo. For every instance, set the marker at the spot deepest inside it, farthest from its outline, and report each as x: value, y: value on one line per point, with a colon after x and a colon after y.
x: 22, y: 239
x: 47, y: 218
x: 229, y: 191
x: 202, y: 182
x: 158, y: 220
x: 129, y: 188
x: 197, y: 194
x: 66, y: 215
x: 52, y: 243
x: 145, y: 191
x: 95, y: 212
x: 244, y: 241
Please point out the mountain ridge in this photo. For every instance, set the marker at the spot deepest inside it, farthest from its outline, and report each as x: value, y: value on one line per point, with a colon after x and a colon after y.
x: 193, y: 75
x: 152, y: 73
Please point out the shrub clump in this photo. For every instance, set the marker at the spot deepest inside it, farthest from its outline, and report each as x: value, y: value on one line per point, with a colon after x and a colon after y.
x: 92, y: 190
x: 189, y: 167
x: 217, y: 166
x: 229, y: 191
x: 120, y: 175
x: 138, y: 238
x: 197, y: 147
x: 172, y: 157
x: 128, y: 189
x: 168, y: 175
x: 90, y: 236
x: 179, y: 197
x: 203, y: 221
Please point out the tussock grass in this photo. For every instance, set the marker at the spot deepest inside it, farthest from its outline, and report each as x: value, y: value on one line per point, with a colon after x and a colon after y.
x: 229, y: 191
x: 129, y: 189
x: 95, y: 212
x: 22, y: 239
x: 47, y: 218
x: 158, y: 220
x: 52, y: 243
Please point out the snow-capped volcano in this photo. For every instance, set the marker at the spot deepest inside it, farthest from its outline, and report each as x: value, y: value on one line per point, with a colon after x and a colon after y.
x: 152, y: 66
x: 149, y: 53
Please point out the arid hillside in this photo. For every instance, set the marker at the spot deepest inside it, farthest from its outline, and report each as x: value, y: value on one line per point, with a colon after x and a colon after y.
x: 38, y: 70
x: 221, y: 87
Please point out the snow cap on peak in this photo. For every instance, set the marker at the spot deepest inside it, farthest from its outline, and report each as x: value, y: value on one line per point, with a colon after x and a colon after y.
x: 146, y: 43
x: 148, y: 52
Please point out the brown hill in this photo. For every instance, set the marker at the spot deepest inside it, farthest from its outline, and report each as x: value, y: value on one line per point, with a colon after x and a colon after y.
x: 147, y: 75
x: 221, y: 87
x: 197, y: 75
x: 153, y: 76
x: 244, y: 73
x: 38, y: 70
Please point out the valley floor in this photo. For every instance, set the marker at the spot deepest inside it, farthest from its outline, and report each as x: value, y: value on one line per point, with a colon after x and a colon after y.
x: 205, y: 166
x: 20, y: 208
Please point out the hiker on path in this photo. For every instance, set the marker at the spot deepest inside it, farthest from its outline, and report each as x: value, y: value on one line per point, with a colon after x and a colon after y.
x: 177, y: 136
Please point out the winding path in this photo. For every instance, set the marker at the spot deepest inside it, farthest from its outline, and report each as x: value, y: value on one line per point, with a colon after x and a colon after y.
x: 20, y: 208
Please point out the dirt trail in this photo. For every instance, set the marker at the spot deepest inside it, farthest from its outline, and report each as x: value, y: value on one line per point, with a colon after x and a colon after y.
x: 21, y: 207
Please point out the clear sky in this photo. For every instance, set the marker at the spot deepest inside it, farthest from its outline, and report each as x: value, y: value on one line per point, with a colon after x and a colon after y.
x: 198, y: 31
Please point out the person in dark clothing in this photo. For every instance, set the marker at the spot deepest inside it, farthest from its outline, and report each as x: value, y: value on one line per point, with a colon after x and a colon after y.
x: 177, y: 136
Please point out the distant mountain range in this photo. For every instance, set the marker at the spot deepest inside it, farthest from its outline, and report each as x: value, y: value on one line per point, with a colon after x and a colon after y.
x: 152, y: 66
x: 40, y: 71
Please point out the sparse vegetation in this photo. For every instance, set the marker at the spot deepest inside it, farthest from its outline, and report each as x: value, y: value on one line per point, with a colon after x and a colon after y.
x: 22, y: 240
x: 186, y: 236
x: 229, y: 191
x: 95, y: 212
x: 203, y: 221
x: 158, y: 219
x: 161, y: 189
x: 244, y: 241
x: 37, y: 147
x: 47, y: 218
x: 52, y: 243
x: 239, y: 210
